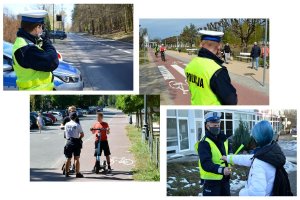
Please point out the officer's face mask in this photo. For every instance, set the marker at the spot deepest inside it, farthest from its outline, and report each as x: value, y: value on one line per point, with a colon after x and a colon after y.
x: 214, y: 130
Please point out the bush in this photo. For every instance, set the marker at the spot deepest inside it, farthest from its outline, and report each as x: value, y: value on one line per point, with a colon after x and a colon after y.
x: 241, y: 136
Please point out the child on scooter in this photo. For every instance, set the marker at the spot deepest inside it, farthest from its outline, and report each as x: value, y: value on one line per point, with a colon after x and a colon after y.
x: 103, y: 141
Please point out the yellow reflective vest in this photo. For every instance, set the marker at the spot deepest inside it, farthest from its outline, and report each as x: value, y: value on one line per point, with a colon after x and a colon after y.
x: 30, y: 79
x: 216, y: 159
x: 198, y: 74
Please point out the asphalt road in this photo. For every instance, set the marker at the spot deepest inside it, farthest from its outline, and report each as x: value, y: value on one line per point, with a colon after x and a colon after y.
x: 104, y: 64
x: 46, y: 151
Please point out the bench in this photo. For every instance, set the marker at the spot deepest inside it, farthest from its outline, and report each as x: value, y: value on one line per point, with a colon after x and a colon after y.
x: 191, y: 51
x: 244, y: 55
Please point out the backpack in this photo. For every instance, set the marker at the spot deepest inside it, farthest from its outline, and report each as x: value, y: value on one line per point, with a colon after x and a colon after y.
x: 281, y: 185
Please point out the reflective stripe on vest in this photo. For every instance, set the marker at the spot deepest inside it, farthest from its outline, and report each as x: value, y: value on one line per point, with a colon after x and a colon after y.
x: 216, y: 159
x: 30, y: 79
x: 198, y: 74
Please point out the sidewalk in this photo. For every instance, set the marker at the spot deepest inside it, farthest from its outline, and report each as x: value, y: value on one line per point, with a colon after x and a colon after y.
x: 151, y: 81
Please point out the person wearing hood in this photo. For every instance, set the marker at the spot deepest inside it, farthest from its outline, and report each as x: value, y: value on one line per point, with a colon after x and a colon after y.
x: 263, y: 163
x: 214, y: 173
x: 34, y: 56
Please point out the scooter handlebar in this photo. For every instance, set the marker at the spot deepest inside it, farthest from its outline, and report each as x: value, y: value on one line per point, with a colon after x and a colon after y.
x: 98, y: 129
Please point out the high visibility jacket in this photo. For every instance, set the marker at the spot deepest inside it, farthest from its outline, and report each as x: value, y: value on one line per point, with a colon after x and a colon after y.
x: 198, y: 74
x: 30, y: 79
x: 216, y: 159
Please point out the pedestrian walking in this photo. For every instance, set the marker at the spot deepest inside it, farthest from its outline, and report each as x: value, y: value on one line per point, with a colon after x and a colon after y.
x: 255, y: 54
x: 40, y: 122
x: 227, y: 52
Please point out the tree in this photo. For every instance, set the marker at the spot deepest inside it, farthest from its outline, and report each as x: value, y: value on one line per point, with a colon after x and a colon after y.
x: 189, y: 34
x: 239, y: 31
x: 143, y: 34
x: 102, y: 18
x: 241, y: 136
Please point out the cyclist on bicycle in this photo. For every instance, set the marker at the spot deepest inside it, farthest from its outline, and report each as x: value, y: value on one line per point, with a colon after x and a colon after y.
x: 103, y: 140
x: 156, y: 48
x: 162, y: 52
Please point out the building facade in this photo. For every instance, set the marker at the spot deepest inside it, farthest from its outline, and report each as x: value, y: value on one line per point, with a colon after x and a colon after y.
x: 185, y: 127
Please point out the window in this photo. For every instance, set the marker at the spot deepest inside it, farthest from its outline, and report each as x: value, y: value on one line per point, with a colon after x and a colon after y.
x: 172, y: 139
x: 183, y: 113
x: 171, y: 113
x: 198, y: 113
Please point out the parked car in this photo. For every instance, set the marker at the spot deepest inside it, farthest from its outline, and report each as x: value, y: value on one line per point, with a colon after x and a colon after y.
x: 84, y: 111
x: 99, y: 109
x: 47, y: 120
x: 52, y: 117
x: 92, y: 110
x: 57, y: 35
x: 32, y: 121
x: 79, y: 112
x: 66, y: 77
x: 57, y: 115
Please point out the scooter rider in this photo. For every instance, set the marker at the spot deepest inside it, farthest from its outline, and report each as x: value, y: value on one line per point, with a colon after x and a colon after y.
x: 74, y: 134
x: 103, y: 140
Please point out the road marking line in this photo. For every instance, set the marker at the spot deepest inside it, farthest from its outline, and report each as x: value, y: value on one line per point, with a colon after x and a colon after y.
x: 124, y: 51
x: 165, y: 73
x: 179, y: 69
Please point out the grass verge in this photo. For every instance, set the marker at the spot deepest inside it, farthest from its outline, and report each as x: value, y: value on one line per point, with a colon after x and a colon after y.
x: 145, y: 169
x: 143, y: 57
x: 183, y: 179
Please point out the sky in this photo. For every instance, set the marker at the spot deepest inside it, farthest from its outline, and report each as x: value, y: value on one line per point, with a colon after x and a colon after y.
x: 162, y: 28
x: 15, y: 9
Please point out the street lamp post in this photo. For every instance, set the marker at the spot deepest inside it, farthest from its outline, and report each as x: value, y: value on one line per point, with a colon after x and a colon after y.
x: 53, y: 25
x: 265, y: 48
x: 145, y: 128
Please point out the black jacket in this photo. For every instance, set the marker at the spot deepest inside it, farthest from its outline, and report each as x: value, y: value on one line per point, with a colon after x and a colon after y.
x: 271, y: 154
x: 32, y: 57
x: 227, y: 49
x: 220, y: 82
x: 204, y: 152
x: 255, y: 51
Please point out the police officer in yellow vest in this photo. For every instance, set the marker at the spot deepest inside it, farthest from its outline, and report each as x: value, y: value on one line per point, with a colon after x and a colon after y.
x: 208, y: 80
x: 34, y: 57
x: 214, y: 173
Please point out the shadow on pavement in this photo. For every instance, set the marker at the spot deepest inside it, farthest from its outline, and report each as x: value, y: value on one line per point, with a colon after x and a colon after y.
x: 47, y: 174
x: 51, y: 174
x: 252, y: 76
x: 121, y: 175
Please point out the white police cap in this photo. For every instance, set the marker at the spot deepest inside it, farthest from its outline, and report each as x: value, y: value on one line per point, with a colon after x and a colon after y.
x: 211, y: 35
x: 212, y: 117
x: 33, y: 16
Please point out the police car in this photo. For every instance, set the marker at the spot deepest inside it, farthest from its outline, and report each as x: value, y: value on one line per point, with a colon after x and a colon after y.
x: 66, y: 77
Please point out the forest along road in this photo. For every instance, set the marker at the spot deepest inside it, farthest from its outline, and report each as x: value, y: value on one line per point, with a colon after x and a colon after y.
x: 105, y: 64
x: 47, y: 158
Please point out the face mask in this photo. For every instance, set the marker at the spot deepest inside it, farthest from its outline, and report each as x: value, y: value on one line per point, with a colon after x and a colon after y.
x: 214, y: 130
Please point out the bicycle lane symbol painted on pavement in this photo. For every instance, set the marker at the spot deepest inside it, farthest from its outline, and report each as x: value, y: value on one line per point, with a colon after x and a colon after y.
x: 122, y: 160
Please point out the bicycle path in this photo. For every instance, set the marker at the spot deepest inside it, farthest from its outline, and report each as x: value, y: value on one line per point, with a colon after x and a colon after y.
x: 42, y: 168
x: 172, y: 72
